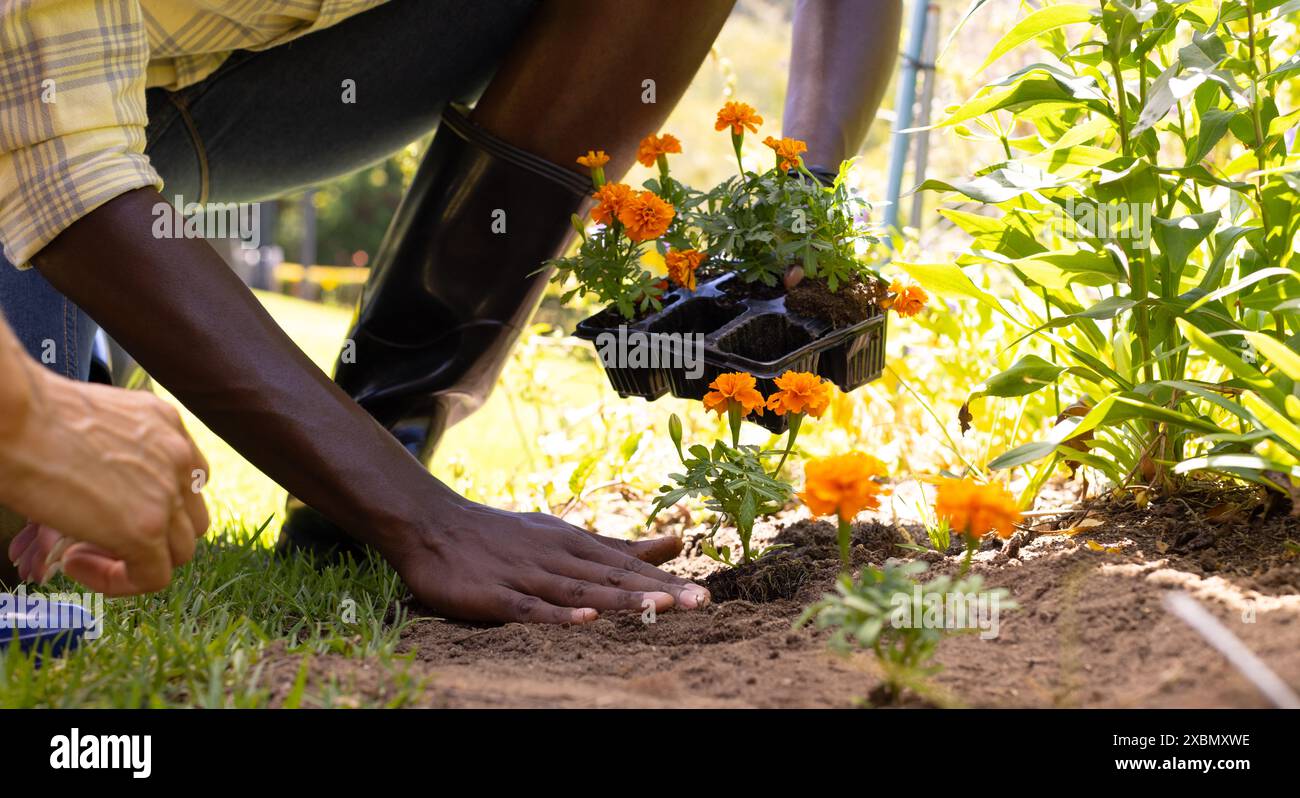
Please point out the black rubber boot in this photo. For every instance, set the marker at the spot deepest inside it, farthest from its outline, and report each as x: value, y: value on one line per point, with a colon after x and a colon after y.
x: 454, y: 283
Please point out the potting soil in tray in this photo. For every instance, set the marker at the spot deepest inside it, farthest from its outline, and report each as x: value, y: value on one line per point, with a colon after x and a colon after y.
x: 651, y: 356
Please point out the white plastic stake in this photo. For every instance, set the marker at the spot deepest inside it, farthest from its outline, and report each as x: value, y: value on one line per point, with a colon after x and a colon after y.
x: 1190, y: 611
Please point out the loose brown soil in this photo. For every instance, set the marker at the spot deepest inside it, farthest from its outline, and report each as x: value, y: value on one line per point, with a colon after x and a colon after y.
x: 1091, y: 630
x: 850, y: 303
x: 736, y: 287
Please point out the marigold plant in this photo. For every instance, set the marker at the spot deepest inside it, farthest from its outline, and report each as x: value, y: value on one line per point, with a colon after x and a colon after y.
x: 787, y: 151
x: 972, y: 510
x: 883, y: 611
x: 764, y: 223
x: 842, y: 485
x: 609, y: 262
x: 682, y: 266
x: 654, y: 150
x: 906, y: 300
x: 800, y: 393
x: 733, y: 477
x: 759, y: 225
x: 644, y: 216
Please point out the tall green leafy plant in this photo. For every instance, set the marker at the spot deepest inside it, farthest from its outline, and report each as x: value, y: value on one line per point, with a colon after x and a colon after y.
x: 1144, y: 212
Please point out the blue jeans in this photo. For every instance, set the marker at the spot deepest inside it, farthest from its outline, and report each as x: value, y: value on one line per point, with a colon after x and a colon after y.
x: 268, y: 123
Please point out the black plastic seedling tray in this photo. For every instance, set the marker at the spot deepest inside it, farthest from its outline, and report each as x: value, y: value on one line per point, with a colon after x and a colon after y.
x: 747, y: 334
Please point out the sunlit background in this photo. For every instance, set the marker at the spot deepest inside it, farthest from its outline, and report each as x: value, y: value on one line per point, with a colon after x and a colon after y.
x: 554, y: 435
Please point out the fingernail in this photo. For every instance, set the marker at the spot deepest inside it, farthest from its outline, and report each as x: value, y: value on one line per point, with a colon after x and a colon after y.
x: 694, y: 597
x: 583, y: 615
x: 659, y: 598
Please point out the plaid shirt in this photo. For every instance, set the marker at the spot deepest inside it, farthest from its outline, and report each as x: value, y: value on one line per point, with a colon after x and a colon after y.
x: 72, y: 80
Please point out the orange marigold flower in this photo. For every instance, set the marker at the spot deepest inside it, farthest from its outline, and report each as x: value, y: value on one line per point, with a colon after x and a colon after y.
x: 738, y: 117
x: 973, y: 509
x: 594, y: 159
x: 609, y: 198
x: 842, y: 485
x: 787, y: 149
x: 645, y: 216
x: 682, y: 265
x: 907, y: 300
x: 652, y: 146
x: 800, y: 392
x: 735, y: 387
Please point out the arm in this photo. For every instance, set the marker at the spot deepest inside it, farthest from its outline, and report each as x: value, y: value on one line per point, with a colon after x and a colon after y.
x: 842, y: 56
x: 112, y: 469
x: 189, y: 321
x: 185, y: 316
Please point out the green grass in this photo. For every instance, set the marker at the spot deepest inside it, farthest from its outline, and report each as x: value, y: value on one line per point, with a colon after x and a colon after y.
x: 211, y: 638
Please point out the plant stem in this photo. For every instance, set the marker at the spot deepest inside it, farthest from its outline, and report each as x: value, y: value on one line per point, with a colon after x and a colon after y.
x: 1256, y: 117
x: 795, y: 420
x: 971, y: 543
x: 1056, y: 384
x: 845, y: 536
x: 733, y: 420
x: 1112, y: 55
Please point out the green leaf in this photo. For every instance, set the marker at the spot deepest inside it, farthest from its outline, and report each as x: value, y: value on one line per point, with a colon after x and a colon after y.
x: 630, y: 444
x: 1066, y: 429
x: 1108, y: 308
x: 999, y: 185
x: 1224, y: 242
x: 1007, y: 236
x: 1235, y: 464
x: 1246, y: 372
x: 1248, y: 280
x: 1129, y: 406
x: 1021, y: 455
x: 1029, y: 374
x: 961, y: 23
x: 1035, y: 25
x: 948, y: 279
x: 1058, y: 270
x: 1214, y: 123
x: 1037, y: 85
x: 1165, y: 92
x: 748, y: 510
x: 1278, y: 353
x: 1179, y: 237
x: 1272, y: 419
x: 582, y: 473
x: 1284, y: 69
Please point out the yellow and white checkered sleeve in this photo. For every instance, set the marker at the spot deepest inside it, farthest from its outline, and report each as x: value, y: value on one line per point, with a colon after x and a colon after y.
x: 72, y: 115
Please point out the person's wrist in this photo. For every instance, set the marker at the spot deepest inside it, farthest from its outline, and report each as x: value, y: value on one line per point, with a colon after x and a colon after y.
x: 22, y: 427
x: 16, y: 400
x: 415, y: 517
